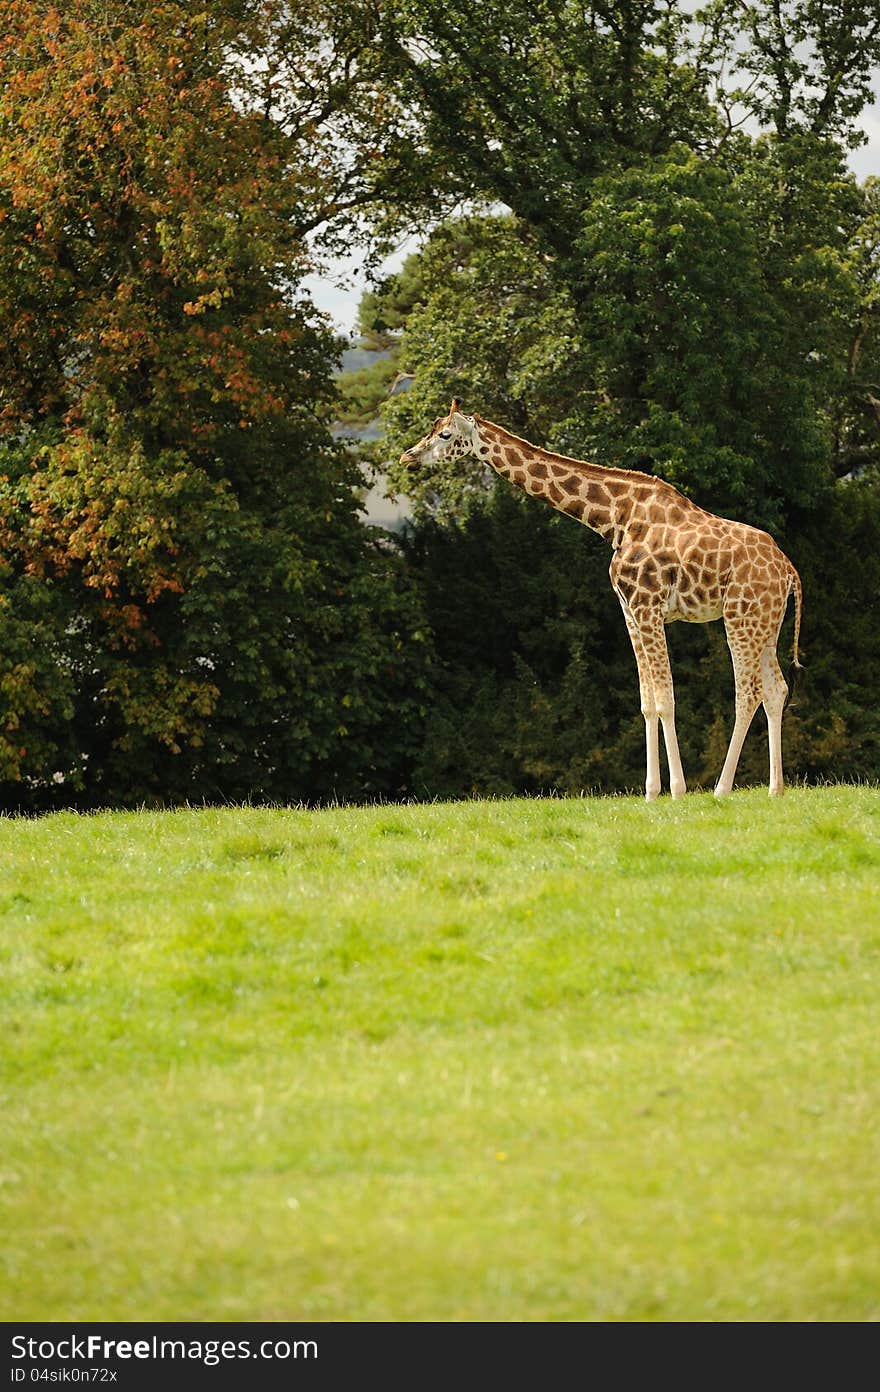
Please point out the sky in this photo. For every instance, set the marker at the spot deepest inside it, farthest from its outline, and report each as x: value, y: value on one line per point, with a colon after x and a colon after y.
x: 338, y: 292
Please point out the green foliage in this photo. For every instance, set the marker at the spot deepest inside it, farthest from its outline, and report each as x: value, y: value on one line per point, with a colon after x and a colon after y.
x: 483, y: 1061
x: 536, y: 685
x: 799, y: 66
x: 834, y: 725
x: 525, y: 104
x: 362, y: 392
x: 385, y: 309
x: 852, y: 362
x: 172, y: 504
x: 40, y: 673
x: 702, y: 349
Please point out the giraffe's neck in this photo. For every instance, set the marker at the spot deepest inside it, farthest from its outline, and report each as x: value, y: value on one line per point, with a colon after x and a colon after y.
x: 587, y: 492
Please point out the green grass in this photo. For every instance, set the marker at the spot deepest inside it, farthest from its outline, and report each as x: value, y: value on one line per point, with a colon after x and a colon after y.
x: 521, y: 1060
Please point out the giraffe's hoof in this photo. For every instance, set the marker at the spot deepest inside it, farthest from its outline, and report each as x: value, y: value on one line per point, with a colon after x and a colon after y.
x: 678, y: 790
x: 777, y: 792
x: 652, y: 794
x: 721, y: 792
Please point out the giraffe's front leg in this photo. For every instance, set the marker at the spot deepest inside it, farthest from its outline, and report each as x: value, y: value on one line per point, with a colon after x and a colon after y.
x: 677, y: 780
x: 649, y: 707
x: 653, y: 635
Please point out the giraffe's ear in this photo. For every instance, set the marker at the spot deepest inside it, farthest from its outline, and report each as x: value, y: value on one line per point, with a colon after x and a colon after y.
x: 456, y: 406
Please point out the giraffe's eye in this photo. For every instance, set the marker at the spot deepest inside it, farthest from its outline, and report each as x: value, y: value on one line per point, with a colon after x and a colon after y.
x: 445, y: 434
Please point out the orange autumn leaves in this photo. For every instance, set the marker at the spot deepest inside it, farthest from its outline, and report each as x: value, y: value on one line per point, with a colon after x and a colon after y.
x: 139, y: 196
x: 140, y: 210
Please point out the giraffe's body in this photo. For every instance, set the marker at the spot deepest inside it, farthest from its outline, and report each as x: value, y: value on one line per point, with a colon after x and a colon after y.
x: 672, y: 561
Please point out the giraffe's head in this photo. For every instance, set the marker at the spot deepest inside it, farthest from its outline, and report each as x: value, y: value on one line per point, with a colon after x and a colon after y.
x: 450, y: 437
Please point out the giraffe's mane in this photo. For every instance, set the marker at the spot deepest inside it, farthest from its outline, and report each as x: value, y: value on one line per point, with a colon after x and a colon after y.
x: 609, y: 470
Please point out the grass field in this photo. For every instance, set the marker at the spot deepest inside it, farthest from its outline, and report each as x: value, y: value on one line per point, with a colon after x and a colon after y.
x: 520, y: 1060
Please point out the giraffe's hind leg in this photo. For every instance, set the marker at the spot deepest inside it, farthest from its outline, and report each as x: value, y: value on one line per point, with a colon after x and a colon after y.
x: 775, y: 692
x: 745, y: 650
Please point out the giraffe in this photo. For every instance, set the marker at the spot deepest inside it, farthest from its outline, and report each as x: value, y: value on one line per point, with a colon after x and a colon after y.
x: 672, y: 561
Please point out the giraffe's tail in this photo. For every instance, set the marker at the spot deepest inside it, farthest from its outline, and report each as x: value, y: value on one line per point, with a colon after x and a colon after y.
x: 794, y: 585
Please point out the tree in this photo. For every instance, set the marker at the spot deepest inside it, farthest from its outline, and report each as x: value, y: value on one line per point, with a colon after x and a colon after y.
x: 526, y: 104
x: 712, y: 349
x: 173, y: 509
x: 799, y: 67
x: 855, y: 411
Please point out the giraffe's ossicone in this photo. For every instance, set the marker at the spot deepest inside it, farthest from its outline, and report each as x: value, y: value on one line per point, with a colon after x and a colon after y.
x: 672, y: 560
